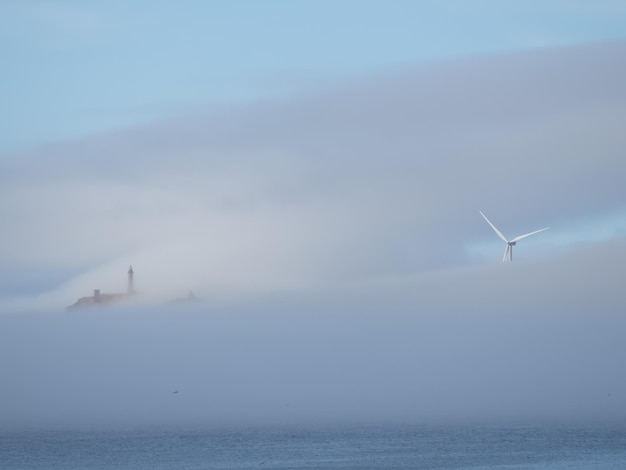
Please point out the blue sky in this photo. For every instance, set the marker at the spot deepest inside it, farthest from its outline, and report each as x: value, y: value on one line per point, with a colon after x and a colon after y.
x: 73, y: 68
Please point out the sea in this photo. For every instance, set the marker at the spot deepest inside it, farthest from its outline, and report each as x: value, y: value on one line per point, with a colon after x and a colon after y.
x: 319, y: 447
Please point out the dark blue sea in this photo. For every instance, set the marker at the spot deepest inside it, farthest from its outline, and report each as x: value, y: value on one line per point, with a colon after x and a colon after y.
x: 362, y: 447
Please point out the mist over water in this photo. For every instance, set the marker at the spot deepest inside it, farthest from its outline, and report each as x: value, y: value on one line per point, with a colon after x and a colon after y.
x: 308, y: 360
x: 335, y: 241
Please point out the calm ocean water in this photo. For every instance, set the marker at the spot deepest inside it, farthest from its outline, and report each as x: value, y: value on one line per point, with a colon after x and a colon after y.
x: 545, y: 447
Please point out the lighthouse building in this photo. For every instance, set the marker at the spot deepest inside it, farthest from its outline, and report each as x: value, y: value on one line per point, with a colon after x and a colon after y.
x: 99, y: 298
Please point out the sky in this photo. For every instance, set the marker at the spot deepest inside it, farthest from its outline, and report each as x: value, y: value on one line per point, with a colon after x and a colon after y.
x: 73, y: 69
x: 313, y: 172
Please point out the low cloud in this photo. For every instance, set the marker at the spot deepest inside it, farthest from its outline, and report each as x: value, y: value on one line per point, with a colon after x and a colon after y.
x: 332, y: 238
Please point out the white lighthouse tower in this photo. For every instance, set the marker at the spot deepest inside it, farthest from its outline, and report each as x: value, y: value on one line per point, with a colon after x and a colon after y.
x: 131, y: 286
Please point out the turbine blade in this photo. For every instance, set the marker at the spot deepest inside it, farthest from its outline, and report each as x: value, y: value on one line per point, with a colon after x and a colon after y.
x: 516, y: 239
x: 507, y: 252
x: 498, y: 232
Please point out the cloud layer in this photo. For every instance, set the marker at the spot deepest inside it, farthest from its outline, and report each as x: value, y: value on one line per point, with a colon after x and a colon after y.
x: 336, y: 242
x: 306, y: 362
x: 376, y: 177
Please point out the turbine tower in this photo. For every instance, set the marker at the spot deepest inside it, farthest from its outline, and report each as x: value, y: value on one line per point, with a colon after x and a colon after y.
x: 508, y: 252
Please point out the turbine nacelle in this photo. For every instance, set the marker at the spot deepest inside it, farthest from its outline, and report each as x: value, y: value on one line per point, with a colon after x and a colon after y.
x: 508, y: 252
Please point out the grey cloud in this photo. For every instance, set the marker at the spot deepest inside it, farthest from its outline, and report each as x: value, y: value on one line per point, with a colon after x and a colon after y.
x: 294, y: 362
x: 330, y: 238
x: 375, y: 177
x: 531, y: 342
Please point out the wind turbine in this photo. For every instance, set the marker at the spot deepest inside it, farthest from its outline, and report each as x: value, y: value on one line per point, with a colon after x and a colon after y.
x: 508, y: 252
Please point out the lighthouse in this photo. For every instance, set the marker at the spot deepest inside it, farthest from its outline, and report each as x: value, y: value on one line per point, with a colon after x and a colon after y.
x: 131, y: 287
